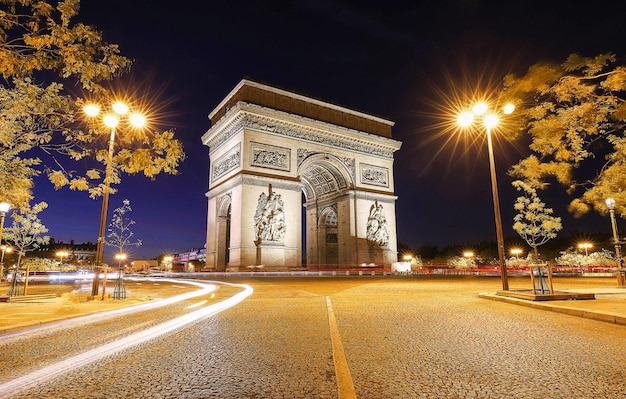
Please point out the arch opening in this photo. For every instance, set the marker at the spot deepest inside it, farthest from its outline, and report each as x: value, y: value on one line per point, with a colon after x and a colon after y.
x: 223, y: 231
x: 323, y: 184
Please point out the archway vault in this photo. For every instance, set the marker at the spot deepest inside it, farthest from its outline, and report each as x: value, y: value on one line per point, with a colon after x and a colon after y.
x: 323, y: 175
x: 268, y: 147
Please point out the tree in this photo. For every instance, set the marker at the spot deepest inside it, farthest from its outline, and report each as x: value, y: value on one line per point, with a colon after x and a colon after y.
x: 120, y: 236
x: 575, y: 114
x: 460, y: 262
x: 25, y: 234
x: 534, y: 222
x: 40, y: 264
x: 515, y: 262
x: 571, y: 257
x: 39, y: 41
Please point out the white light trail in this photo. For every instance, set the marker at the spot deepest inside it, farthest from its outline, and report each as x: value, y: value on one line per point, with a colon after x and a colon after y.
x: 11, y: 388
x: 206, y: 289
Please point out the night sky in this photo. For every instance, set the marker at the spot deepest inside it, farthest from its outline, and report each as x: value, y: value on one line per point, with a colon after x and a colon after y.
x: 394, y: 59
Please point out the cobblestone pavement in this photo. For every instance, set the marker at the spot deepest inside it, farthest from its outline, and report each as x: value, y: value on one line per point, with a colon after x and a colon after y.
x: 403, y: 338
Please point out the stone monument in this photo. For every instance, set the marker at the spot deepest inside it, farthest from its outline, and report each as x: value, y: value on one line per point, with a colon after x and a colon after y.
x: 290, y: 176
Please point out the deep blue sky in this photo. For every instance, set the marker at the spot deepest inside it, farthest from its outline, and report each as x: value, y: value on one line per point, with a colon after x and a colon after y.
x: 391, y: 58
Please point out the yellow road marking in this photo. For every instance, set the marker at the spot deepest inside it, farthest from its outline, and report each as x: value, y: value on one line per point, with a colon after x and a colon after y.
x: 195, y: 305
x: 345, y: 385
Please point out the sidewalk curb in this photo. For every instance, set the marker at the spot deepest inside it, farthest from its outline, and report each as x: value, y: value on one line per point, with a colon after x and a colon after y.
x: 594, y: 315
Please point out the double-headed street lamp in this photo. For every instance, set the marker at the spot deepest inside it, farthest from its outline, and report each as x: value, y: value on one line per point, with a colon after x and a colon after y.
x: 111, y: 120
x: 585, y: 246
x: 490, y: 121
x: 621, y: 272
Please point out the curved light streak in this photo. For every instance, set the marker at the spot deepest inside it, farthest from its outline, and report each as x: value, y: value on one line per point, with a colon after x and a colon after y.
x: 206, y: 289
x: 11, y: 388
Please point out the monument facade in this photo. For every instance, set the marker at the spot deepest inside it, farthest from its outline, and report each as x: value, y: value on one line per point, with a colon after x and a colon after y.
x: 293, y: 177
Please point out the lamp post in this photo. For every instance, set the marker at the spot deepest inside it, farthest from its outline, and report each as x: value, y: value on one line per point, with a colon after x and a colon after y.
x: 5, y: 248
x: 4, y: 208
x: 490, y: 121
x: 585, y: 246
x: 469, y: 255
x: 120, y: 289
x: 111, y: 120
x: 61, y: 255
x: 516, y: 252
x: 621, y: 273
x: 408, y: 258
x: 167, y: 263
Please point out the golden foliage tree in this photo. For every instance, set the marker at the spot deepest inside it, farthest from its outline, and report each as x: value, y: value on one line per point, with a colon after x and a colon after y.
x: 39, y: 42
x: 575, y: 114
x: 534, y: 222
x: 25, y: 234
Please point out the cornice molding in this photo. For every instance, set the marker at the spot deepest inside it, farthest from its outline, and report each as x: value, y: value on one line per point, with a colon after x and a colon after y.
x: 346, y: 139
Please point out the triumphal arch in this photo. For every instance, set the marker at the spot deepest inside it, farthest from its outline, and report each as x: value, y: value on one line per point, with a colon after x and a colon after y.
x: 293, y: 179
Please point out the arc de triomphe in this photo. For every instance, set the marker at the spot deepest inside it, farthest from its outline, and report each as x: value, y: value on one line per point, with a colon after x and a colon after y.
x: 274, y: 153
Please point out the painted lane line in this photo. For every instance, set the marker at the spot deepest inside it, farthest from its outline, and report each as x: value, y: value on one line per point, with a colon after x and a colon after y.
x: 345, y: 386
x: 11, y: 388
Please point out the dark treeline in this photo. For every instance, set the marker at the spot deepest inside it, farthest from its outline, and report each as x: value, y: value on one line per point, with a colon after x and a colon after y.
x: 487, y: 251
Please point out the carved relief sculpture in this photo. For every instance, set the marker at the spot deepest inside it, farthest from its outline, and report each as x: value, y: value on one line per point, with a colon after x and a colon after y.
x: 377, y: 232
x: 269, y: 219
x: 227, y: 163
x: 374, y: 175
x: 267, y: 156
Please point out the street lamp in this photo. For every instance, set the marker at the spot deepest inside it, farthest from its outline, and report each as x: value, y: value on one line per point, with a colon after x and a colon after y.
x: 4, y: 208
x: 61, y: 255
x: 490, y: 121
x: 621, y: 273
x: 516, y: 252
x: 111, y: 120
x: 120, y: 289
x: 585, y: 246
x: 7, y: 249
x: 167, y: 263
x: 469, y: 256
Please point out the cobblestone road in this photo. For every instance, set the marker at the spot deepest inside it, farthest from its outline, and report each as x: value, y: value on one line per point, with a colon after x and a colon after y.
x: 403, y: 338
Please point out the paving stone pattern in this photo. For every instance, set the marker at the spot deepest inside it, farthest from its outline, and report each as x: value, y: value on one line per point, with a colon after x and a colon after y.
x: 403, y: 338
